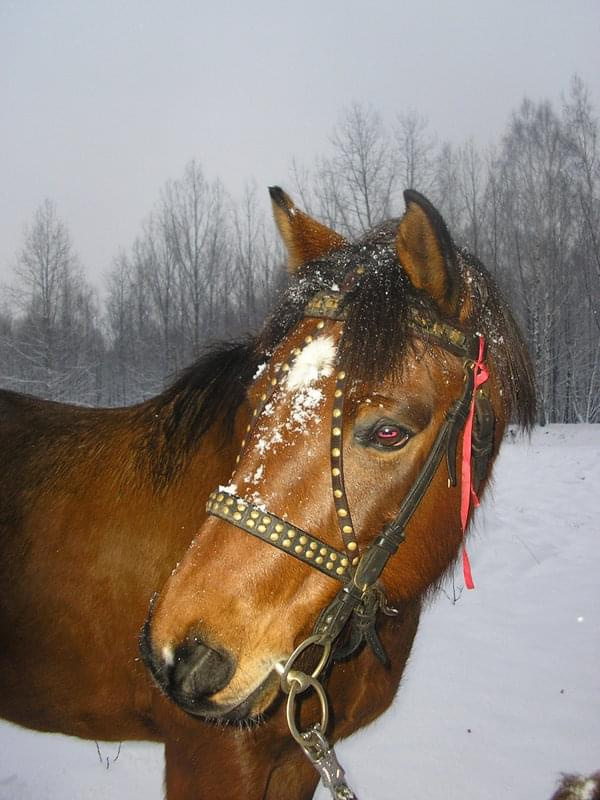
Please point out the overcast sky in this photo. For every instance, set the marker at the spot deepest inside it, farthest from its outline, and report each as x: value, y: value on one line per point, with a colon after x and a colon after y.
x: 102, y: 102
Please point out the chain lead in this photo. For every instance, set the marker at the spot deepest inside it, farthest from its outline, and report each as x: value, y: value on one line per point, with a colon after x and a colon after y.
x: 323, y: 758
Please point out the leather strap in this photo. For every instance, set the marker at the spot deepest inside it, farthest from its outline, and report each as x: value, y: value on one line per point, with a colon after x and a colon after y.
x: 280, y: 533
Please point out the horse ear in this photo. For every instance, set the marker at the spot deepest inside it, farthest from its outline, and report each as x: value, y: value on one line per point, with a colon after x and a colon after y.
x: 427, y: 253
x: 305, y: 238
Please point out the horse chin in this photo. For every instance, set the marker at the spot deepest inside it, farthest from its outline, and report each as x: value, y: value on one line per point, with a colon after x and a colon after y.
x: 249, y: 709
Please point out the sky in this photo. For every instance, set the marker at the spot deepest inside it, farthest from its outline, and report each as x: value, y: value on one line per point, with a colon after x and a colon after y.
x: 102, y: 103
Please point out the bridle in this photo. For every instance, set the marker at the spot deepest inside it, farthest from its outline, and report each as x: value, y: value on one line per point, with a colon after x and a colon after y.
x: 361, y: 597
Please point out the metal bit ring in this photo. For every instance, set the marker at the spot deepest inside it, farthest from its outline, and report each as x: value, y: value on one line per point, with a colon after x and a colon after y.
x: 285, y: 669
x: 299, y: 683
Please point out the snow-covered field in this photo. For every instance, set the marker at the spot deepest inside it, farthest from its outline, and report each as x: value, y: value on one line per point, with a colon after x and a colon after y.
x: 503, y: 689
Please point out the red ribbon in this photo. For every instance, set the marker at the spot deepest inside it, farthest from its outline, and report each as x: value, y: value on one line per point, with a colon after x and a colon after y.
x: 467, y: 492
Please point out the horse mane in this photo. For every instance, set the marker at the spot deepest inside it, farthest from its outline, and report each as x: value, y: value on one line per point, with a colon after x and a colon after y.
x: 208, y: 392
x: 374, y: 342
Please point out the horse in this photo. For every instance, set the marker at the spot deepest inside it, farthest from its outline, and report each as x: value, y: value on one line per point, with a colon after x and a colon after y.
x: 238, y: 565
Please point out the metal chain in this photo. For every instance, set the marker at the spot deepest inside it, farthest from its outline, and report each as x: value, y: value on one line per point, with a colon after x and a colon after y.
x: 324, y: 759
x: 313, y: 741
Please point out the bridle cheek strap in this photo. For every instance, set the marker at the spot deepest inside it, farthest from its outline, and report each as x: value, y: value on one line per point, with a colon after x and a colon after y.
x: 468, y: 494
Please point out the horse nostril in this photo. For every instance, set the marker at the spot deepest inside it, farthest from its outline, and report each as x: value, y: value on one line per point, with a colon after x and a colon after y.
x: 200, y: 670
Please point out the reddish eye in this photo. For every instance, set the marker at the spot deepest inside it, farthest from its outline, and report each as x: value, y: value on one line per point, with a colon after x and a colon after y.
x: 388, y: 435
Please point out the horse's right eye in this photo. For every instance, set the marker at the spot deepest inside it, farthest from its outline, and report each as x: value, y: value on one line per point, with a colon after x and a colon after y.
x: 388, y: 435
x: 384, y: 434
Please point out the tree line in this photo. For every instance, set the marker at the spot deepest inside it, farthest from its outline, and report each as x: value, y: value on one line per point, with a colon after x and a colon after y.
x: 205, y: 267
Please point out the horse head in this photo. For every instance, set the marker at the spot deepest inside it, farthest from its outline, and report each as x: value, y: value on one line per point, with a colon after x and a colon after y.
x: 354, y: 468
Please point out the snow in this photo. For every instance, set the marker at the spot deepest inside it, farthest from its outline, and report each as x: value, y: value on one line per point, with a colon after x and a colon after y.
x: 501, y: 693
x: 315, y: 361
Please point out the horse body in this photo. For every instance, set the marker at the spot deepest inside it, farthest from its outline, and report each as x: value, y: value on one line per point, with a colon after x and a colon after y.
x: 102, y: 509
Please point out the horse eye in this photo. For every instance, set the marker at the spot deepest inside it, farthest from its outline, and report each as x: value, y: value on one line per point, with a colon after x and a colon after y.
x: 389, y: 435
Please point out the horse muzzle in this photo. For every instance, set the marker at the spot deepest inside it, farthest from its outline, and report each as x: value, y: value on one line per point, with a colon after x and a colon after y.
x: 196, y: 677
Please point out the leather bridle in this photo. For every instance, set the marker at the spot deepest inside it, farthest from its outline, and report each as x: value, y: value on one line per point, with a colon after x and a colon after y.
x: 361, y: 596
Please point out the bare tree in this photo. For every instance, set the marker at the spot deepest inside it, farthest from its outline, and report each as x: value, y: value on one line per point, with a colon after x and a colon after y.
x: 56, y: 335
x: 415, y: 148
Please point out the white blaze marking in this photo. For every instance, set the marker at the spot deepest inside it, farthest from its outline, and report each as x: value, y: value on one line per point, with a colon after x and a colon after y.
x: 168, y: 656
x: 314, y: 362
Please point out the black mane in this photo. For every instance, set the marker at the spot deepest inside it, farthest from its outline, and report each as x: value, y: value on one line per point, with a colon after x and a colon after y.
x: 374, y: 341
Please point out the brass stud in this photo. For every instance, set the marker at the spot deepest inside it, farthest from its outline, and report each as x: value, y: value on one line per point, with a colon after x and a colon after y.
x: 250, y: 523
x: 237, y: 459
x: 342, y: 512
x: 344, y: 562
x: 220, y: 497
x: 254, y: 514
x: 285, y: 367
x: 266, y: 520
x: 279, y: 527
x: 347, y: 529
x: 352, y: 546
x: 336, y: 431
x: 355, y: 561
x: 340, y: 570
x: 230, y: 501
x: 298, y: 548
x: 224, y: 510
x: 323, y: 551
x: 335, y: 452
x: 261, y: 528
x: 237, y: 515
x: 291, y: 533
x: 241, y: 507
x: 319, y: 560
x: 313, y: 545
x: 286, y: 543
x: 337, y: 412
x: 273, y: 381
x: 341, y: 375
x: 255, y: 412
x: 296, y: 351
x: 309, y: 554
x: 263, y: 397
x: 333, y: 556
x: 329, y: 565
x: 308, y: 339
x: 360, y: 270
x: 248, y: 428
x: 335, y: 472
x: 303, y: 540
x: 274, y: 537
x: 320, y: 325
x: 243, y: 444
x: 338, y: 393
x: 338, y: 493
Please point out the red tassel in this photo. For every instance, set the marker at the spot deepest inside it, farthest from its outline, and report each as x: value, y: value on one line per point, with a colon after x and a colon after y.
x: 467, y: 492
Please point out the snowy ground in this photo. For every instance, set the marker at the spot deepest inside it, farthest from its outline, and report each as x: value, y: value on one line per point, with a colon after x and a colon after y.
x: 503, y: 689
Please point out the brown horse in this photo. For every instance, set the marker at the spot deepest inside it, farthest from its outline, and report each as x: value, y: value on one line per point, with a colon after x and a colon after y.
x: 344, y: 424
